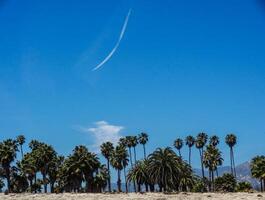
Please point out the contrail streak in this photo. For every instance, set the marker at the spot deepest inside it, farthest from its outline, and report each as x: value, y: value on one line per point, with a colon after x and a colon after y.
x: 117, y: 44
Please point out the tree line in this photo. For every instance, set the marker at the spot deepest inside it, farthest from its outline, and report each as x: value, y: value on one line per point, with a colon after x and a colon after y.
x: 163, y: 170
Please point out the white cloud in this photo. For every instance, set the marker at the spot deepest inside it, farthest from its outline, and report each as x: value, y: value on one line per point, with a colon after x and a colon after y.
x: 103, y: 132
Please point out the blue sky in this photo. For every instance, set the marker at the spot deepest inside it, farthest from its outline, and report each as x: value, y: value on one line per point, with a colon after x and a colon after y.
x: 182, y: 67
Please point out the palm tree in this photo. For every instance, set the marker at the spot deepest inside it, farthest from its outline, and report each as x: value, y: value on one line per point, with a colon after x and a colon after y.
x: 128, y: 142
x: 190, y: 140
x: 231, y: 141
x: 214, y: 140
x: 201, y: 141
x: 178, y: 143
x: 53, y: 168
x: 164, y: 168
x: 143, y: 139
x: 28, y: 167
x: 257, y: 166
x: 21, y: 141
x: 138, y: 174
x: 101, y: 179
x: 125, y: 162
x: 212, y: 159
x: 117, y: 161
x: 106, y: 150
x: 134, y: 143
x: 8, y: 149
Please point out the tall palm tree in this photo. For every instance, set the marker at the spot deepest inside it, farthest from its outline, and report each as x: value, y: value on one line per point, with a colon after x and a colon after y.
x: 190, y: 140
x: 129, y: 143
x: 178, y: 144
x: 117, y: 161
x: 134, y: 143
x: 107, y: 149
x: 21, y: 141
x: 201, y: 141
x: 212, y: 159
x: 8, y: 149
x: 143, y: 139
x: 214, y: 140
x: 231, y: 141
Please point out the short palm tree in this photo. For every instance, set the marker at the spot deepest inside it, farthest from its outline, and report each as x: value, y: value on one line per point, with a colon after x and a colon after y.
x: 190, y: 140
x: 164, y: 168
x: 178, y: 144
x: 138, y: 174
x: 106, y: 150
x: 257, y: 166
x: 8, y: 150
x: 143, y: 139
x: 231, y: 141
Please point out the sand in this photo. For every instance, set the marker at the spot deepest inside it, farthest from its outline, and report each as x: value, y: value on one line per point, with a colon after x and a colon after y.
x: 147, y: 196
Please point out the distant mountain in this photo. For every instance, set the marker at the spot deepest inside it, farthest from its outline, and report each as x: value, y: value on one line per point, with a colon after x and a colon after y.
x: 242, y: 171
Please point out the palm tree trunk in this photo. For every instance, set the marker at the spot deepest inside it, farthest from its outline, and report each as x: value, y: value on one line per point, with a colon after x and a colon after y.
x: 234, y: 162
x: 119, y: 181
x: 217, y: 174
x: 231, y: 161
x: 144, y: 151
x: 109, y: 183
x: 52, y: 187
x: 201, y: 163
x: 44, y: 182
x: 134, y: 151
x: 179, y: 153
x: 189, y: 155
x: 8, y: 178
x: 261, y: 187
x: 21, y: 150
x: 210, y: 180
x: 130, y: 152
x: 125, y: 179
x: 263, y: 182
x: 213, y: 181
x: 139, y: 187
x: 146, y: 187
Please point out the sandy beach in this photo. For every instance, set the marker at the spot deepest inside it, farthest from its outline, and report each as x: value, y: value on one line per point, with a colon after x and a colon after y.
x: 155, y: 196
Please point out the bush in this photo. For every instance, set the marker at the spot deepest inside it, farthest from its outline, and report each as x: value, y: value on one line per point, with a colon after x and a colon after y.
x: 225, y: 183
x: 200, y: 185
x: 244, y: 187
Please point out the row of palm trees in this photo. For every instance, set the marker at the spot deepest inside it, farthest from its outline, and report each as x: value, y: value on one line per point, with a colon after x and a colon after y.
x: 201, y: 141
x: 81, y: 171
x: 210, y: 158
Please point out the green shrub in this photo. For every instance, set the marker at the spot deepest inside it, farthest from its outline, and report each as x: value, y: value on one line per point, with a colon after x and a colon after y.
x: 225, y: 183
x: 243, y: 187
x: 200, y: 185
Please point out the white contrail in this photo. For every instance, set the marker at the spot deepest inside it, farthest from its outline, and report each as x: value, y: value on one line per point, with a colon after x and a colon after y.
x: 117, y: 44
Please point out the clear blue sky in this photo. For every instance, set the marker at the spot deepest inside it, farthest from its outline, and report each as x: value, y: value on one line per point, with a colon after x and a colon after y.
x: 182, y: 67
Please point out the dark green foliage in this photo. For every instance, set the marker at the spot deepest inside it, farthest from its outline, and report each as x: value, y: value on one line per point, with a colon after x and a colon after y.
x: 200, y: 185
x: 225, y: 183
x: 243, y: 187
